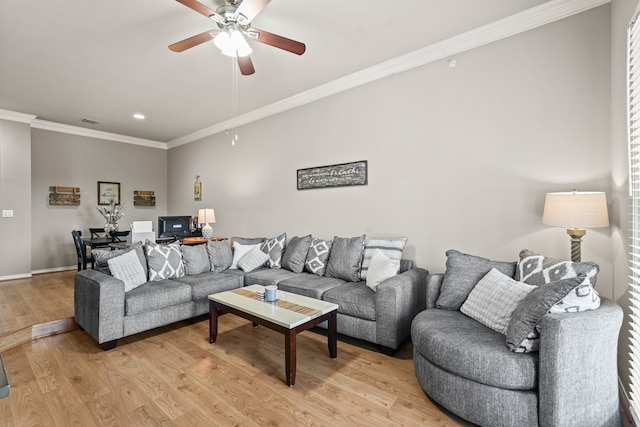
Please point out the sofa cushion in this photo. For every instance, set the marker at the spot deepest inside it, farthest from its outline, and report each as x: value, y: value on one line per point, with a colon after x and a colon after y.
x: 464, y: 347
x: 317, y: 256
x: 156, y: 295
x: 530, y: 311
x: 391, y: 247
x: 353, y: 299
x: 309, y: 284
x: 380, y: 269
x: 101, y: 257
x: 296, y: 253
x: 463, y: 272
x: 345, y: 258
x: 493, y: 300
x: 196, y: 259
x: 127, y: 268
x: 267, y: 276
x: 165, y: 261
x: 220, y: 255
x: 274, y: 248
x: 537, y: 269
x: 240, y: 250
x: 205, y: 284
x: 253, y: 259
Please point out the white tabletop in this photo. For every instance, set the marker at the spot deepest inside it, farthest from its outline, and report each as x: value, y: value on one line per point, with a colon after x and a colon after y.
x: 282, y: 312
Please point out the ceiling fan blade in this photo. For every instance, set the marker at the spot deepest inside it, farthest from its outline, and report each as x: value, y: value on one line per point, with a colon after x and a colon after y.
x: 277, y: 41
x: 245, y: 65
x: 249, y: 9
x: 202, y: 9
x: 192, y: 41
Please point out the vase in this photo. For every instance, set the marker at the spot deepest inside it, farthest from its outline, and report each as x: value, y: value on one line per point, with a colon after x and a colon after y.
x: 110, y: 227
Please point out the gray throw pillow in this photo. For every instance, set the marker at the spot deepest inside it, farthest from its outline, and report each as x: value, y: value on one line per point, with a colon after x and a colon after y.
x: 196, y: 259
x: 345, y: 258
x: 247, y: 240
x: 274, y: 248
x: 296, y: 253
x: 165, y: 261
x: 102, y: 256
x: 392, y: 247
x: 531, y: 309
x: 462, y: 274
x: 253, y: 259
x: 220, y: 255
x: 317, y: 256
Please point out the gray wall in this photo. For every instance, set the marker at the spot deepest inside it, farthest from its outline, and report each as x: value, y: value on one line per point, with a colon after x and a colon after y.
x: 59, y: 159
x: 15, y: 194
x: 458, y: 157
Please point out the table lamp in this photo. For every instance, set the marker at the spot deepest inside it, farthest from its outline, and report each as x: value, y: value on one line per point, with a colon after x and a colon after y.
x: 576, y: 210
x: 205, y: 216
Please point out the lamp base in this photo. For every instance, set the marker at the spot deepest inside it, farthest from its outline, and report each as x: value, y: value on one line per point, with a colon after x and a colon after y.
x: 576, y: 242
x: 207, y: 231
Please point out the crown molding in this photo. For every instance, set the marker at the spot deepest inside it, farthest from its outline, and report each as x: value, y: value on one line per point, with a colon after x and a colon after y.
x: 543, y: 14
x: 14, y: 116
x: 91, y: 133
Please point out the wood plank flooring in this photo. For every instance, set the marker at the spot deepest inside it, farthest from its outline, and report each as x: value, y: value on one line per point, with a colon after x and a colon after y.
x: 172, y: 376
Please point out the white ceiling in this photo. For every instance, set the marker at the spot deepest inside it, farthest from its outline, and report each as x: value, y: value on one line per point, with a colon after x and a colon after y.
x: 64, y: 60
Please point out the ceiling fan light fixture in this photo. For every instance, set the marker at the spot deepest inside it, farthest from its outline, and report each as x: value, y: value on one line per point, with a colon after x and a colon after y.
x: 240, y: 44
x: 232, y: 43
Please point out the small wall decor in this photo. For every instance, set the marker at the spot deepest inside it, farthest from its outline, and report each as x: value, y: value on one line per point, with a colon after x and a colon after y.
x: 144, y: 198
x: 108, y: 192
x: 344, y: 174
x: 197, y: 189
x: 64, y: 195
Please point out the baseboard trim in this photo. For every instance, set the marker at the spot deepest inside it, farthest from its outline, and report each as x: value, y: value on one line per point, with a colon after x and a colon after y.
x: 41, y: 330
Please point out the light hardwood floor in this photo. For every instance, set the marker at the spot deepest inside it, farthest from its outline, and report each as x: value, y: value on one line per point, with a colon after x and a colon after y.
x: 172, y: 376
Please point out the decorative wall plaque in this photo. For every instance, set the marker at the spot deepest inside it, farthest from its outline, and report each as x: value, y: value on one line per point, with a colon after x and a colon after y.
x: 344, y: 174
x: 144, y: 198
x: 64, y: 195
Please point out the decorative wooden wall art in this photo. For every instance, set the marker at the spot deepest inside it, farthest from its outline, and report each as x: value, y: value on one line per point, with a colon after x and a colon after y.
x: 64, y: 195
x: 344, y: 174
x: 144, y: 198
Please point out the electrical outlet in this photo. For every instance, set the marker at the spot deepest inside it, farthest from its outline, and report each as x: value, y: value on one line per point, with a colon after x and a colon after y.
x: 7, y: 213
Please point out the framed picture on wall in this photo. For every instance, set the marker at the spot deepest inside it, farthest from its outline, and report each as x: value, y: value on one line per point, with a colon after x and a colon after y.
x: 107, y: 192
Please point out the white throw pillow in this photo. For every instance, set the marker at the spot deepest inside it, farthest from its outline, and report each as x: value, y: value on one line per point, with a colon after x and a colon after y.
x: 381, y: 268
x: 493, y: 300
x: 239, y: 251
x: 127, y: 267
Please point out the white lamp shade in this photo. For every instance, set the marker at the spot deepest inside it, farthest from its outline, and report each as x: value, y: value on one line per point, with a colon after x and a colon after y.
x: 205, y: 216
x: 576, y: 209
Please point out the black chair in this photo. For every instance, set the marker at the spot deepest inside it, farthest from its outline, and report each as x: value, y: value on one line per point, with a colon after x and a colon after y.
x: 81, y: 251
x: 97, y: 233
x: 118, y: 236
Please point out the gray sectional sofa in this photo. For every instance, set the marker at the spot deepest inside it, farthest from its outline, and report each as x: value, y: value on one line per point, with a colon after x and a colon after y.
x: 168, y: 289
x: 477, y: 373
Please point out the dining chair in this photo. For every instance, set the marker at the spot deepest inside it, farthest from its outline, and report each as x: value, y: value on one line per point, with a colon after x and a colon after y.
x: 97, y: 233
x: 81, y: 251
x: 119, y: 236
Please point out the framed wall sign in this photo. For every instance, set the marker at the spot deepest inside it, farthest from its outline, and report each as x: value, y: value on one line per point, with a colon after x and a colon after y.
x: 344, y: 174
x: 108, y: 191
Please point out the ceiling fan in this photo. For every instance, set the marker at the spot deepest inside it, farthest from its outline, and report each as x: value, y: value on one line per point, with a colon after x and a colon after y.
x: 234, y: 23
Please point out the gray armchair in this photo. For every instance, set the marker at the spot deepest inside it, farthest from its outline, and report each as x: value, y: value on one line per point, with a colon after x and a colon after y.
x: 467, y: 368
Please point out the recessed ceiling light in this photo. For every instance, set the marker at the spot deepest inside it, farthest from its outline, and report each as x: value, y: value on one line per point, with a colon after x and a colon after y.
x: 138, y: 116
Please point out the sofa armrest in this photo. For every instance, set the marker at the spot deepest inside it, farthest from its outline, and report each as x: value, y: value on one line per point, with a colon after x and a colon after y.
x: 398, y: 300
x: 98, y: 302
x: 578, y: 378
x: 433, y: 284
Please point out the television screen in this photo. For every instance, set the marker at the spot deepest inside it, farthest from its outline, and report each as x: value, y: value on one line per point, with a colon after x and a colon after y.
x: 174, y: 226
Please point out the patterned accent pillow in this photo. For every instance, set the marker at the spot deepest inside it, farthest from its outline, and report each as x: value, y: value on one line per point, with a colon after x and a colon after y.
x: 381, y: 268
x: 391, y: 247
x: 253, y: 259
x: 296, y: 253
x: 102, y: 256
x: 220, y: 256
x: 274, y: 248
x: 536, y: 269
x: 196, y: 259
x: 494, y: 299
x: 165, y: 261
x: 345, y: 258
x: 240, y: 250
x: 126, y: 267
x: 531, y: 309
x: 317, y: 256
x: 462, y: 274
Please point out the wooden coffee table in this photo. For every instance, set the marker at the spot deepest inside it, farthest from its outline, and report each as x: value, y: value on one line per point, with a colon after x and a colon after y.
x: 289, y: 315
